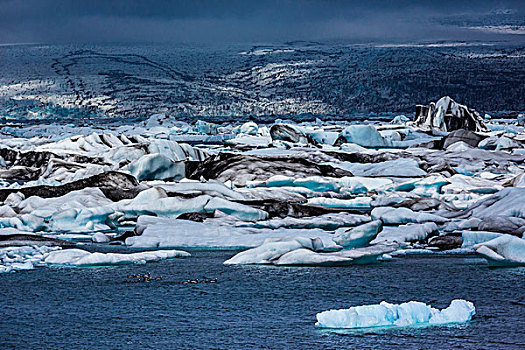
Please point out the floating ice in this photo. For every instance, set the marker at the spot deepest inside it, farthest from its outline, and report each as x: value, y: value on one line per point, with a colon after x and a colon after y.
x: 289, y: 133
x: 188, y: 187
x: 507, y: 202
x: 99, y: 237
x: 307, y: 257
x: 448, y: 115
x: 402, y: 167
x: 354, y: 203
x: 272, y: 249
x: 23, y: 258
x: 90, y: 210
x: 249, y: 128
x: 366, y: 136
x: 426, y: 187
x: 360, y: 184
x: 400, y: 119
x: 205, y: 127
x: 505, y: 250
x: 250, y: 140
x: 354, y: 184
x: 170, y: 233
x: 406, y: 233
x: 78, y: 257
x: 293, y: 173
x: 358, y: 236
x: 471, y: 238
x: 296, y: 251
x: 325, y: 222
x: 156, y: 167
x: 395, y: 216
x: 498, y: 143
x: 462, y: 183
x: 412, y: 313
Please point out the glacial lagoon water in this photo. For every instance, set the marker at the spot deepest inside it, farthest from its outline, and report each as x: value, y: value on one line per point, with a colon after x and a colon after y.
x: 254, y: 307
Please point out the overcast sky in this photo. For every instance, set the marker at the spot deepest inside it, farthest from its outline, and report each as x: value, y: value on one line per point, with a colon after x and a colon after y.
x: 208, y: 21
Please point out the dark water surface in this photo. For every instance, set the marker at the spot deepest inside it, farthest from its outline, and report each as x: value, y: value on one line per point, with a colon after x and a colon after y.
x: 254, y: 307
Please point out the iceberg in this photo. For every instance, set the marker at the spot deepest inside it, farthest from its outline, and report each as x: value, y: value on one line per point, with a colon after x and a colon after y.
x: 190, y: 187
x: 324, y: 221
x: 300, y: 251
x: 156, y: 167
x: 346, y: 184
x: 205, y: 127
x: 366, y: 136
x: 448, y: 115
x: 358, y: 236
x: 505, y: 250
x: 306, y: 257
x: 82, y: 258
x: 244, y: 140
x: 406, y: 233
x: 23, y: 258
x: 99, y: 237
x: 400, y: 119
x: 158, y: 232
x: 396, y: 216
x: 354, y: 203
x: 507, y: 202
x: 428, y: 186
x: 249, y: 128
x: 90, y: 210
x: 289, y: 133
x: 412, y: 313
x: 471, y: 238
x: 359, y: 184
x: 272, y: 249
x: 401, y: 167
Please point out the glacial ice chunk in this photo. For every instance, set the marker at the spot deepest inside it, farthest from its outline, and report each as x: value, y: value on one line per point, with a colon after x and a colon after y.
x: 325, y: 221
x: 289, y: 133
x: 366, y: 136
x: 306, y: 257
x: 400, y: 119
x: 505, y: 250
x: 401, y: 167
x: 297, y: 251
x: 272, y: 249
x: 359, y: 184
x: 156, y: 167
x: 448, y: 115
x: 79, y: 257
x: 471, y: 238
x: 99, y: 237
x: 395, y: 216
x: 507, y: 202
x: 249, y: 128
x: 23, y: 258
x: 396, y: 315
x: 358, y: 236
x: 406, y: 233
x: 354, y: 203
x: 89, y: 210
x: 205, y: 127
x: 159, y: 232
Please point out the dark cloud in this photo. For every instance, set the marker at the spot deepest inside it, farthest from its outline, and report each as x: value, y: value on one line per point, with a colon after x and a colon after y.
x: 243, y: 20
